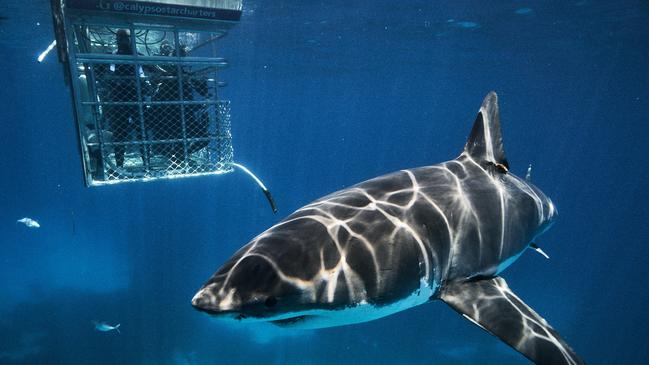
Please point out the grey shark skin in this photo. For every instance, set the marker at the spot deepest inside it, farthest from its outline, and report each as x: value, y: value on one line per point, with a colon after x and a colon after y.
x: 443, y: 232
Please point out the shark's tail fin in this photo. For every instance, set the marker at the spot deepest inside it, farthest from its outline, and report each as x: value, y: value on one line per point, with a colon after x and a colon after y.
x: 485, y: 143
x: 117, y: 328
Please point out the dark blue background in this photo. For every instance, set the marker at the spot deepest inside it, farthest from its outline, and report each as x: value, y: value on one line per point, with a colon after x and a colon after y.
x: 326, y: 94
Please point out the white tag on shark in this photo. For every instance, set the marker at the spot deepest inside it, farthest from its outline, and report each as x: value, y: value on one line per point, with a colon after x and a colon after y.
x: 528, y: 174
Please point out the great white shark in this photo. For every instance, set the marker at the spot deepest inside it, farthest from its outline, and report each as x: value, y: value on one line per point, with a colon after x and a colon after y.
x: 441, y: 232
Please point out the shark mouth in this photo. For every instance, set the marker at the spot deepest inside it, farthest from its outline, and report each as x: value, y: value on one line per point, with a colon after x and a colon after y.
x: 292, y: 321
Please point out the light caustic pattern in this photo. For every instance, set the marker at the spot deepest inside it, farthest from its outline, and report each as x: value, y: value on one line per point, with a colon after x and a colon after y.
x: 494, y: 307
x: 460, y: 219
x: 400, y: 240
x: 357, y: 214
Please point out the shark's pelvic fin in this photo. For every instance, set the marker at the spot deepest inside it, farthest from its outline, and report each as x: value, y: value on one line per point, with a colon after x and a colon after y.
x: 494, y: 307
x: 538, y: 249
x: 485, y: 143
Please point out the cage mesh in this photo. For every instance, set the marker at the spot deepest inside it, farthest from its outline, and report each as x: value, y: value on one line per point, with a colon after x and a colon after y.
x: 145, y: 118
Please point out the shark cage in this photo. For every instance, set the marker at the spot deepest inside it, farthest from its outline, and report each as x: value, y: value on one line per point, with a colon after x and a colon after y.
x: 144, y: 81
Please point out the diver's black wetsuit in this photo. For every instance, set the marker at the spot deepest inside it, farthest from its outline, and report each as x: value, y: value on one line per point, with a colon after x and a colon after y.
x: 123, y: 119
x: 168, y: 118
x: 197, y: 117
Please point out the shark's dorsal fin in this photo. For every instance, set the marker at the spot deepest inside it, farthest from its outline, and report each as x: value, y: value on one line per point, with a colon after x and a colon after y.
x: 490, y: 304
x: 485, y: 143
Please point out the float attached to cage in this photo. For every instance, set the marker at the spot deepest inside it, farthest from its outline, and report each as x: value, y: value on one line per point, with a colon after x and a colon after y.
x: 144, y: 81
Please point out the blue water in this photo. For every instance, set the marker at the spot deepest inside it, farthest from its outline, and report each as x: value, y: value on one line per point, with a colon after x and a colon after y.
x: 325, y: 95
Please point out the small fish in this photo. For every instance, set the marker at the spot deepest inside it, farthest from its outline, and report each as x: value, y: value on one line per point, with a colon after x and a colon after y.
x: 105, y: 327
x: 524, y: 11
x: 29, y: 222
x: 466, y: 25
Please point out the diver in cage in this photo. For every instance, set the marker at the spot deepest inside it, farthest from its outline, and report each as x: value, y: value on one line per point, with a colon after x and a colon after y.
x: 166, y: 120
x: 93, y: 141
x: 121, y: 87
x: 195, y: 88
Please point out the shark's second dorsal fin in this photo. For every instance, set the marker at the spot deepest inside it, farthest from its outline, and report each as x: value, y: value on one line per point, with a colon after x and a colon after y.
x: 485, y: 143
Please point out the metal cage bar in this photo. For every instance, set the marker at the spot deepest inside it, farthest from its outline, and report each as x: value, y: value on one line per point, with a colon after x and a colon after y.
x: 161, y: 109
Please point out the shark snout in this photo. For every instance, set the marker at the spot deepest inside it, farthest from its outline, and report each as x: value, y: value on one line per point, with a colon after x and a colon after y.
x: 213, y: 300
x: 201, y: 301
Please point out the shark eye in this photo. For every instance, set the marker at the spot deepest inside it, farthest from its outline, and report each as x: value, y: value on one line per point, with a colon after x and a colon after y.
x: 270, y: 302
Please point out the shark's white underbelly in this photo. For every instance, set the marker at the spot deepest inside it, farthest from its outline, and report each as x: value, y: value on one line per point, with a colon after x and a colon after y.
x: 362, y: 312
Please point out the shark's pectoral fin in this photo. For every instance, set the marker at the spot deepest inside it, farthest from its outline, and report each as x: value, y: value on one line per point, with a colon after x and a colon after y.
x: 490, y: 304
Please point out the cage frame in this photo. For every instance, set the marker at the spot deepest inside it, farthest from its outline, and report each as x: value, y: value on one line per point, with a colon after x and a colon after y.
x: 67, y: 20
